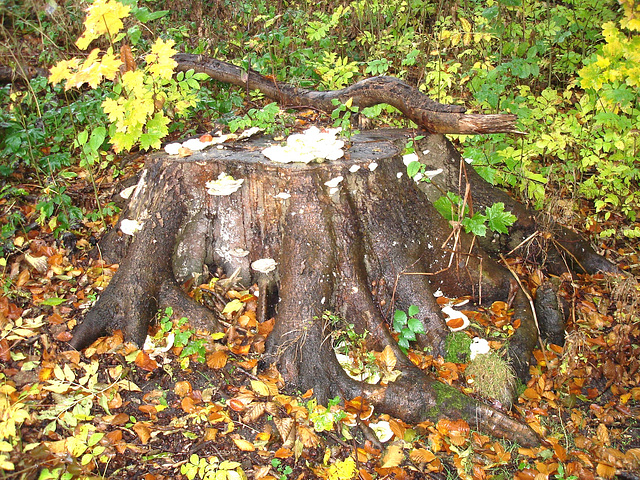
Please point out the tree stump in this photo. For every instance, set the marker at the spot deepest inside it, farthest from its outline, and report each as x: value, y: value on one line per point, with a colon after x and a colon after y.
x: 331, y: 244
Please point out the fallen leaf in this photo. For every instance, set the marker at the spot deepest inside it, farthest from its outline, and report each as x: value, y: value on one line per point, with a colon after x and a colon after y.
x: 143, y: 431
x: 422, y: 455
x: 244, y: 445
x: 392, y: 457
x: 182, y: 389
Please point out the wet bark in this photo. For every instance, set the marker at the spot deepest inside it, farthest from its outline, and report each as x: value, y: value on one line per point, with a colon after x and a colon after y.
x: 331, y: 247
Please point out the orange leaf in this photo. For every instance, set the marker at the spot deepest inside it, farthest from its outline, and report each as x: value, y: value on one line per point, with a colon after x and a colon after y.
x: 143, y: 432
x: 149, y: 410
x: 392, y: 457
x: 478, y: 472
x: 283, y: 453
x: 188, y: 405
x: 236, y: 405
x: 422, y: 455
x: 182, y: 389
x: 455, y: 323
x: 605, y: 470
x: 244, y: 445
x: 145, y: 362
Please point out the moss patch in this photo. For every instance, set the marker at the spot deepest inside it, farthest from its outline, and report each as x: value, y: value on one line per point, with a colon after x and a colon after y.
x: 457, y: 347
x: 492, y: 377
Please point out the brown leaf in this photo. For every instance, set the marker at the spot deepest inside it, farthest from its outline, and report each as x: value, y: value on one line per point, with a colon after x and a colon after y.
x: 602, y: 435
x: 126, y: 56
x: 422, y: 455
x: 149, y: 410
x: 182, y: 389
x: 254, y: 412
x: 143, y: 431
x: 217, y: 360
x: 392, y: 457
x: 286, y: 429
x: 387, y: 359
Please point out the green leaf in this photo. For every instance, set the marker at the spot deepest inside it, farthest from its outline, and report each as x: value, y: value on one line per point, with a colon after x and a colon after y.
x: 399, y: 320
x: 98, y: 135
x: 499, y: 219
x: 53, y: 301
x: 413, y: 168
x: 415, y: 325
x: 475, y: 224
x: 413, y: 310
x: 408, y: 334
x: 448, y: 206
x: 144, y: 15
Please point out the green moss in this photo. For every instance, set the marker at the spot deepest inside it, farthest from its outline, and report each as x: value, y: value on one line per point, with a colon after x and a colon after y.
x: 447, y: 399
x: 457, y: 347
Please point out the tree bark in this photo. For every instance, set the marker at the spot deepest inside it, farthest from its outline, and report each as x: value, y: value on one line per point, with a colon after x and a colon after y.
x: 330, y: 246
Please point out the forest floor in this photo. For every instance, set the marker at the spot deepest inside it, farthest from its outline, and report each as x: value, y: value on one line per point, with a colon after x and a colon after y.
x: 191, y: 404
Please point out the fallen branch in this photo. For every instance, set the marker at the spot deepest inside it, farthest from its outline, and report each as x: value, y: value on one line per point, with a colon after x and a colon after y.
x: 432, y: 116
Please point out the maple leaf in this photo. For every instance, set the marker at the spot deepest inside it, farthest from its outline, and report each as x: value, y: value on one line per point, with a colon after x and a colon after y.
x: 62, y: 70
x: 103, y: 17
x: 498, y: 218
x: 109, y: 65
x: 160, y: 60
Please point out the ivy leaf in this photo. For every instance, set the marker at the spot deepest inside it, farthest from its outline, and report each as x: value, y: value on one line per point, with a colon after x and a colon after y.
x: 475, y: 224
x: 499, y: 220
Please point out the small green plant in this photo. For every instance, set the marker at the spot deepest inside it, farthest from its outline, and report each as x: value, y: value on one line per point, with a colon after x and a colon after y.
x: 342, y: 114
x: 283, y: 470
x: 495, y: 218
x: 561, y: 475
x: 212, y: 469
x: 182, y: 336
x: 407, y: 325
x: 269, y: 119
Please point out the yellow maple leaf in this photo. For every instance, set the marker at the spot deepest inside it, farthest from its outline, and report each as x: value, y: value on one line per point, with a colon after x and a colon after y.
x: 160, y: 61
x: 103, y: 17
x: 62, y: 70
x: 109, y: 65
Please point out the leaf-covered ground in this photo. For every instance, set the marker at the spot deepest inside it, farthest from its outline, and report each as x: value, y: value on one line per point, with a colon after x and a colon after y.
x: 195, y: 405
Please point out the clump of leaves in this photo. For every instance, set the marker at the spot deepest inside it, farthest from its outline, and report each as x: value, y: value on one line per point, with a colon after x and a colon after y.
x: 491, y: 376
x: 143, y: 99
x: 407, y: 325
x: 495, y: 218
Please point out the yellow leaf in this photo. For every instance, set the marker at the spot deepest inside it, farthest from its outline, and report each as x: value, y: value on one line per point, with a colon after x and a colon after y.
x: 160, y: 61
x: 387, y: 359
x: 232, y: 306
x: 62, y: 70
x: 244, y: 445
x: 103, y: 17
x: 260, y: 388
x: 392, y: 457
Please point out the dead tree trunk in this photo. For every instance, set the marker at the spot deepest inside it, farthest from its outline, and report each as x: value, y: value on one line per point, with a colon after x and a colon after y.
x: 330, y: 247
